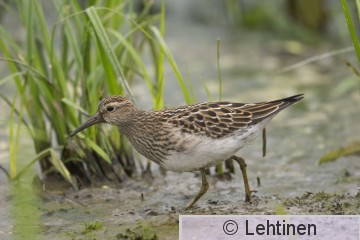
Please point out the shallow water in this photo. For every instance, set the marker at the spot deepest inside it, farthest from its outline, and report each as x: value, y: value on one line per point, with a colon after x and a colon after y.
x: 291, y: 179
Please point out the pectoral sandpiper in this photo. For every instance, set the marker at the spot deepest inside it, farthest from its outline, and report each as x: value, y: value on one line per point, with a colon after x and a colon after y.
x: 192, y: 137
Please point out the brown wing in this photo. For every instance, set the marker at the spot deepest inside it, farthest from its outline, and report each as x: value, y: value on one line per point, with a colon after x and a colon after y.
x: 219, y: 119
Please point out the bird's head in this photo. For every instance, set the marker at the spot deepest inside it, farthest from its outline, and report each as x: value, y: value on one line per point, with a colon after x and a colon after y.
x: 114, y: 110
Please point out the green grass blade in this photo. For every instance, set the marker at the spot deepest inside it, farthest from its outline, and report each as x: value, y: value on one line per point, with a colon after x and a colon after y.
x: 208, y: 92
x: 137, y: 58
x: 18, y: 64
x: 13, y: 108
x: 97, y: 149
x: 106, y: 49
x: 75, y: 106
x: 69, y: 36
x: 57, y: 163
x: 11, y: 77
x: 60, y: 167
x: 351, y: 27
x: 218, y: 67
x: 159, y: 103
x: 13, y: 141
x: 173, y: 64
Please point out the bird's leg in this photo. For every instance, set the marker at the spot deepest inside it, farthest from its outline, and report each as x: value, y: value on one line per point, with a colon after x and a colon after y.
x: 242, y: 164
x: 204, y: 187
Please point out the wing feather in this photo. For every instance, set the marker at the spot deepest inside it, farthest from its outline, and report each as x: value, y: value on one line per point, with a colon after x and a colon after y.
x: 220, y: 119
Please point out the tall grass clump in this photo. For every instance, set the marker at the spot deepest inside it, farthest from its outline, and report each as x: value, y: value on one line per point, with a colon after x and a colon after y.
x: 61, y: 71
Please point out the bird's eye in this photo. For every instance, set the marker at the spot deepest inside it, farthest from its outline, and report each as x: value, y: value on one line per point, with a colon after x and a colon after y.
x: 110, y: 108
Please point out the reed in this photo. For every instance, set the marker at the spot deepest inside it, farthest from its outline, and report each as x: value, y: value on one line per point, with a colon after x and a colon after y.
x: 61, y: 70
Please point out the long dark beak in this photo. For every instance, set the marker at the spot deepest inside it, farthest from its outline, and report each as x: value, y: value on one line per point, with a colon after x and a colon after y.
x: 92, y: 121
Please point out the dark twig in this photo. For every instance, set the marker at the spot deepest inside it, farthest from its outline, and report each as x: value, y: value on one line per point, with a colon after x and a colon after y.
x: 264, y: 142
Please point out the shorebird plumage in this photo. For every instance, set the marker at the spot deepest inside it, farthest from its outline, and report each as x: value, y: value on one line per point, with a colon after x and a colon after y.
x: 192, y: 137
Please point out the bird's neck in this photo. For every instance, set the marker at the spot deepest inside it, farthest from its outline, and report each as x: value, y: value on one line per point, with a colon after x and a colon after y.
x: 140, y: 123
x: 142, y: 131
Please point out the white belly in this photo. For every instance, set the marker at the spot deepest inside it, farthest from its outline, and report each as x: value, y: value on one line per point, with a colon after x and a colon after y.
x: 203, y: 152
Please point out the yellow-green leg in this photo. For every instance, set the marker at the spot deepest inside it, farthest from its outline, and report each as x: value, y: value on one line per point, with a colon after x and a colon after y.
x: 203, y: 189
x: 242, y: 164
